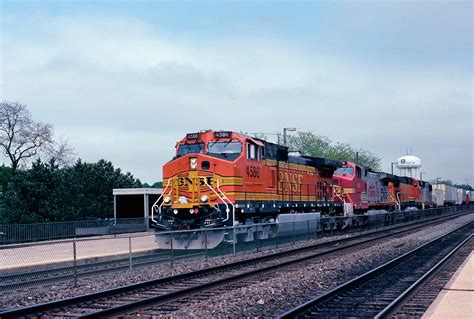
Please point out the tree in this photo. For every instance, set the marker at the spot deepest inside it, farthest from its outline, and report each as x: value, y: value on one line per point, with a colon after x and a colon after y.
x: 157, y: 185
x: 464, y: 186
x: 311, y: 144
x: 5, y: 175
x: 442, y: 181
x: 21, y: 137
x: 60, y: 152
x: 47, y: 192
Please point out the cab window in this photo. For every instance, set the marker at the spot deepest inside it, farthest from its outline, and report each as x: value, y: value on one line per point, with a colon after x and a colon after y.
x: 226, y: 150
x: 358, y: 171
x: 254, y: 152
x: 194, y: 148
x: 344, y: 171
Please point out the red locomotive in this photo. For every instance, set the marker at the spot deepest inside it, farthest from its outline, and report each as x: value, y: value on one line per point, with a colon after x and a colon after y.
x: 220, y: 178
x: 365, y: 189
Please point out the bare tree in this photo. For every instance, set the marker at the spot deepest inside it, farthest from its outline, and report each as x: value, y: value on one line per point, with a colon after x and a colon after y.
x: 61, y: 152
x: 21, y: 137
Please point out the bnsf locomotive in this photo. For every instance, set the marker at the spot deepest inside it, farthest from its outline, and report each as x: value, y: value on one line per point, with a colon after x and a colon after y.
x: 224, y: 178
x: 364, y: 189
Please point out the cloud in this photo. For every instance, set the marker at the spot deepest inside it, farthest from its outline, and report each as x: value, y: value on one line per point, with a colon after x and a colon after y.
x: 126, y: 90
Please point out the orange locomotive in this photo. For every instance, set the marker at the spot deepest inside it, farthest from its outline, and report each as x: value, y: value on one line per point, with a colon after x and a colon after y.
x: 220, y: 178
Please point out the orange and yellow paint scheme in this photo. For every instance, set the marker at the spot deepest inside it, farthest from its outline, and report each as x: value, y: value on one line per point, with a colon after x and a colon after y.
x: 220, y: 177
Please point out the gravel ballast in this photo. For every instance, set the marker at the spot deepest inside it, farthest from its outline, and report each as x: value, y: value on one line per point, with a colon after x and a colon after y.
x: 289, y: 288
x: 266, y: 298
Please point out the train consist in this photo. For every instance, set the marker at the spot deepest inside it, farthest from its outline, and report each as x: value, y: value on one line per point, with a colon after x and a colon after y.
x: 365, y: 189
x: 224, y: 178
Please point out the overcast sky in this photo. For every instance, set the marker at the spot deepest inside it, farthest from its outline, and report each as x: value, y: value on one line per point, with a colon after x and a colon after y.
x: 125, y: 80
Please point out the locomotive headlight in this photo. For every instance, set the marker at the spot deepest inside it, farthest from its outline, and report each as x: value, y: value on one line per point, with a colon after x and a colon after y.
x: 167, y: 199
x: 193, y: 163
x: 204, y: 198
x: 175, y: 211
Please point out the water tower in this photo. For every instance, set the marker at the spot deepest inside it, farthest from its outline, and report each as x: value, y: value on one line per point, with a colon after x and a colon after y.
x: 409, y: 165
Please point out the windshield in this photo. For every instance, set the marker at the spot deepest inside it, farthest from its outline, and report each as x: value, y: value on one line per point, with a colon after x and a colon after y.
x: 344, y: 171
x: 228, y: 150
x: 184, y: 149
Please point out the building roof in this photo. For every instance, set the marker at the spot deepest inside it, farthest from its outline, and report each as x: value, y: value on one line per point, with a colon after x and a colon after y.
x: 137, y: 191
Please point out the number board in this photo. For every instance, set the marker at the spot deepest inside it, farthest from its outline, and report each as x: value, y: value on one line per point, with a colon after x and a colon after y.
x: 222, y: 134
x: 192, y: 136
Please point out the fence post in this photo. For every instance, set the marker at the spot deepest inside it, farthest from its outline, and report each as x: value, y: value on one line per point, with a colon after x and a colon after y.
x: 234, y: 238
x: 205, y: 243
x: 307, y: 222
x: 172, y: 252
x: 276, y: 232
x: 294, y: 233
x: 130, y: 250
x: 256, y: 238
x: 331, y: 224
x: 75, y: 262
x: 317, y: 223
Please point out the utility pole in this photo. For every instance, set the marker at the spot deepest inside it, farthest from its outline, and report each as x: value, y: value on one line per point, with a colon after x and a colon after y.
x: 289, y: 129
x: 421, y: 175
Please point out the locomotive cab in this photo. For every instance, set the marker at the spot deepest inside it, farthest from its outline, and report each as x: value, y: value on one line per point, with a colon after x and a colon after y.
x: 350, y: 178
x: 197, y: 180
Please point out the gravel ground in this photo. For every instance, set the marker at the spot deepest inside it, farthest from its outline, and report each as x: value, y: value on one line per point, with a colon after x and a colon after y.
x: 292, y: 287
x: 265, y: 298
x: 60, y: 290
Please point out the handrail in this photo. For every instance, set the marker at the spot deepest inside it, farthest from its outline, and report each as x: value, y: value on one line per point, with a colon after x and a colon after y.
x: 230, y: 203
x: 398, y: 201
x: 159, y: 207
x: 217, y: 194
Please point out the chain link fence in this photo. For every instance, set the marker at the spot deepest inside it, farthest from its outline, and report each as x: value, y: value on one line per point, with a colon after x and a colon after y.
x: 14, y: 234
x: 22, y: 265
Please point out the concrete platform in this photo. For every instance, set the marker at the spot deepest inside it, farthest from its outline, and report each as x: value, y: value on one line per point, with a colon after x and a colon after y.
x: 456, y: 300
x: 44, y: 253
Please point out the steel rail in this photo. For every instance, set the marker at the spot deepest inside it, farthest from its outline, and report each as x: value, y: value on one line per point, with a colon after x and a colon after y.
x: 398, y: 303
x: 301, y: 309
x: 130, y: 307
x: 176, y: 278
x: 58, y: 274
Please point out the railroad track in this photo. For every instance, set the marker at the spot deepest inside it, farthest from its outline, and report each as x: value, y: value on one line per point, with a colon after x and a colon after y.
x: 32, y: 278
x: 385, y: 290
x: 14, y: 280
x: 414, y: 301
x: 168, y: 293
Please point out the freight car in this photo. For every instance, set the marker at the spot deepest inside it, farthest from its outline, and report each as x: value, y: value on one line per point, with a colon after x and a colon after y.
x: 449, y: 194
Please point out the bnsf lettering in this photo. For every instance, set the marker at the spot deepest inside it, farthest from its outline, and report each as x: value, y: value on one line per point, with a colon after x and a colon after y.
x: 253, y: 171
x: 186, y: 181
x: 293, y: 180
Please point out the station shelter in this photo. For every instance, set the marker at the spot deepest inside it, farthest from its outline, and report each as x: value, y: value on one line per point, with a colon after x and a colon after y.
x: 134, y: 202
